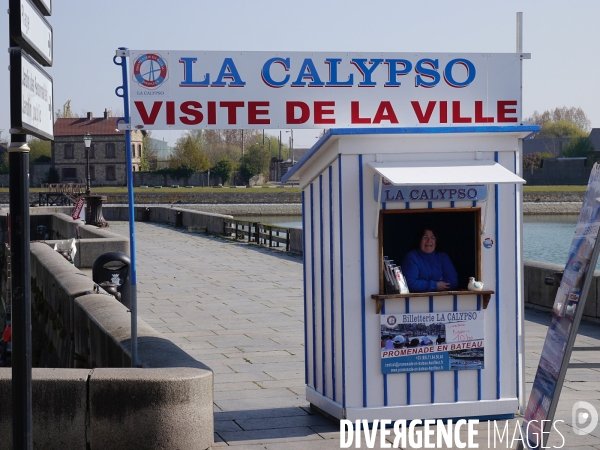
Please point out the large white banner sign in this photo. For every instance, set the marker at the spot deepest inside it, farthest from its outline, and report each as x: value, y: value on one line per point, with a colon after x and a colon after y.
x: 193, y: 89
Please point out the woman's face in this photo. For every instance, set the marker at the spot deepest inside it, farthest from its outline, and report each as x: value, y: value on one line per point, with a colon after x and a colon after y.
x: 428, y: 242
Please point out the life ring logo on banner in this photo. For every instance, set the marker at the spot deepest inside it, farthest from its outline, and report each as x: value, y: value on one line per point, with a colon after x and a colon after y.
x: 150, y: 70
x: 391, y: 320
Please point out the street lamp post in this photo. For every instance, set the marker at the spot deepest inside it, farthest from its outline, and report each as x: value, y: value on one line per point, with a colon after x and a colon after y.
x: 93, y: 210
x: 87, y: 140
x: 291, y: 145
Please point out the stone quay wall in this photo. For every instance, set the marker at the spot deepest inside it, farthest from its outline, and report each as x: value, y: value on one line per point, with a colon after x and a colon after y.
x: 92, y: 398
x: 181, y: 195
x: 540, y: 295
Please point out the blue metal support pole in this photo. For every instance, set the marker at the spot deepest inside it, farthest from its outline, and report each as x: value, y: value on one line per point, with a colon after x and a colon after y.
x: 133, y: 274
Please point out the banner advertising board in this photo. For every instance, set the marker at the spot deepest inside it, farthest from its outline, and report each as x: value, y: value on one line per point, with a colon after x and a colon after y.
x: 566, y: 315
x: 185, y: 90
x: 429, y: 342
x: 32, y: 88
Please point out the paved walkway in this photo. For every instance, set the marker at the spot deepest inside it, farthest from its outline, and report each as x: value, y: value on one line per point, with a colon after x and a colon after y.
x: 238, y: 308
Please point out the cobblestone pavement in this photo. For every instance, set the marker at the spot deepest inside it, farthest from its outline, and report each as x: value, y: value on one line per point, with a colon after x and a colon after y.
x: 238, y: 308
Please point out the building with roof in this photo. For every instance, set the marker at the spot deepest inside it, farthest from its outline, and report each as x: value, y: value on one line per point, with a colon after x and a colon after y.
x: 162, y: 152
x: 595, y: 139
x: 107, y: 151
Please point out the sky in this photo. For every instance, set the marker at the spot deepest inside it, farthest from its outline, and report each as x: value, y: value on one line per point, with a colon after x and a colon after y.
x: 562, y: 37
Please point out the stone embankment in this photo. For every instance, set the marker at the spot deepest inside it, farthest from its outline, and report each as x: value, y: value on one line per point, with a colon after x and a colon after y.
x: 553, y: 197
x: 242, y: 202
x: 554, y: 208
x: 552, y: 203
x: 295, y: 209
x: 170, y: 195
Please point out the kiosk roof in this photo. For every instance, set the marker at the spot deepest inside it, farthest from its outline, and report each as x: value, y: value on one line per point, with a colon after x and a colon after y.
x: 521, y: 131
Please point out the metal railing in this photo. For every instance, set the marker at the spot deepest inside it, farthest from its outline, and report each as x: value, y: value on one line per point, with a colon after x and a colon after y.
x: 259, y: 233
x: 65, y: 188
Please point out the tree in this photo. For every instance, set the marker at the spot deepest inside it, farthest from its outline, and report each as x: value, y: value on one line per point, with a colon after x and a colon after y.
x: 561, y: 129
x: 188, y: 154
x: 578, y: 147
x: 534, y: 160
x: 256, y: 160
x: 149, y: 154
x: 574, y: 115
x: 218, y: 143
x: 4, y: 164
x: 272, y: 146
x: 53, y: 176
x: 39, y: 151
x: 223, y: 169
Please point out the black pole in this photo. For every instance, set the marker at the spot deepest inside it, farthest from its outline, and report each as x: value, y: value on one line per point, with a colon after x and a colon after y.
x: 18, y: 158
x: 87, y: 171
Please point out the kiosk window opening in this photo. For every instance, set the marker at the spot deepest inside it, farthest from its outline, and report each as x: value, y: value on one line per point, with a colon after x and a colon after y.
x: 458, y: 233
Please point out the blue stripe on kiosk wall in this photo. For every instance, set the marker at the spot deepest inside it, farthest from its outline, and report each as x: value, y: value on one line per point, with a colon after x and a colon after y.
x: 455, y: 308
x: 340, y: 190
x: 363, y: 290
x: 304, y: 275
x: 407, y: 310
x: 385, y: 378
x: 331, y: 282
x: 479, y: 395
x: 478, y: 370
x: 517, y: 281
x: 497, y: 231
x: 312, y: 277
x: 322, y: 299
x: 432, y: 373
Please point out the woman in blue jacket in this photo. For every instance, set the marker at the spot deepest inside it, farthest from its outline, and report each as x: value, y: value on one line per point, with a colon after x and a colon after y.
x: 425, y: 269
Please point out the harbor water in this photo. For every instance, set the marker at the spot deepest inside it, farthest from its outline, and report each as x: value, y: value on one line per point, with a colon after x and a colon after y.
x: 546, y: 238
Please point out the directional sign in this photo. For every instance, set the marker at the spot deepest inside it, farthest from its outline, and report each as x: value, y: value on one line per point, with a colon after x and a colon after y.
x: 31, y: 97
x: 45, y: 6
x: 31, y: 31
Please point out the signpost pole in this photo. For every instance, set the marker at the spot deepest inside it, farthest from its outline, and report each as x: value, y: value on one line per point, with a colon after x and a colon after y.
x: 519, y: 194
x: 125, y: 94
x: 18, y: 156
x: 31, y: 112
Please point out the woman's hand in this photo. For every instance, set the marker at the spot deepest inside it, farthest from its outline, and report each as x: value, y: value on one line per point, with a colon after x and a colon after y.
x: 443, y: 286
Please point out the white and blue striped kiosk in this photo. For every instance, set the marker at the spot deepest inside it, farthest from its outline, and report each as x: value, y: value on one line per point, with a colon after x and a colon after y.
x: 365, y: 193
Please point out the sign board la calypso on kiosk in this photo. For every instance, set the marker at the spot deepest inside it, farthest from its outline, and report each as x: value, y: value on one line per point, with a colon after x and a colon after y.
x: 193, y: 89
